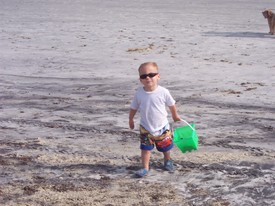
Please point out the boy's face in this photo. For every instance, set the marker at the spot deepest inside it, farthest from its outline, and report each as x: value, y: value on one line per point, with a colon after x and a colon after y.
x: 149, y: 77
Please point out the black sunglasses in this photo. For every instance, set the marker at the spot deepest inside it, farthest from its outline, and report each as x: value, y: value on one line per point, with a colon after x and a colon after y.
x: 151, y: 75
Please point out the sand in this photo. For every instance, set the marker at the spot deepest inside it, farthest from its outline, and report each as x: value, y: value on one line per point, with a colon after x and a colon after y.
x: 68, y: 72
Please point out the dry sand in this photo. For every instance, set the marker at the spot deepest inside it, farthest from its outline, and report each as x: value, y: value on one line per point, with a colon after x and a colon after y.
x: 68, y: 71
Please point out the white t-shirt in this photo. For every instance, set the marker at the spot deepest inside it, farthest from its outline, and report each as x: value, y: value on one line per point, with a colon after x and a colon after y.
x: 152, y: 108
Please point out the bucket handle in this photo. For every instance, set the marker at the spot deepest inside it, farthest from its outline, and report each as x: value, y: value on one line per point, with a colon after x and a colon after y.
x: 187, y: 124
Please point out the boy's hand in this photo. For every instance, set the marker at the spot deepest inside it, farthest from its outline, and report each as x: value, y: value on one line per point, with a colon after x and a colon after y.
x: 177, y: 119
x: 131, y: 118
x: 131, y: 124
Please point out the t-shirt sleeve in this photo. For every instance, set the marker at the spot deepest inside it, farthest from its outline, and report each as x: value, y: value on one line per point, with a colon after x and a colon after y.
x: 169, y: 99
x: 134, y: 104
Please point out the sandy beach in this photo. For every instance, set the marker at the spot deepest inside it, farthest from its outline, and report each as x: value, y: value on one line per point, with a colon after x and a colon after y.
x: 68, y: 73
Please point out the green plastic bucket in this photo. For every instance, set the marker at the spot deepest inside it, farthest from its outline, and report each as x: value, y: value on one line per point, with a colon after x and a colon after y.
x: 186, y: 138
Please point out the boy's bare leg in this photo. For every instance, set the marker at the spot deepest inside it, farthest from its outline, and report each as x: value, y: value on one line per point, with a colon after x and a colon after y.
x: 166, y: 155
x: 145, y: 158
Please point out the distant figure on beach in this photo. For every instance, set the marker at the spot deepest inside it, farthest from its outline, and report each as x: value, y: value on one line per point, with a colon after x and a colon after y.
x: 270, y: 16
x: 151, y: 101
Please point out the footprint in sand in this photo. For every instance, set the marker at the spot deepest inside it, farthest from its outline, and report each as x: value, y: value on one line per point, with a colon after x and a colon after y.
x: 251, y: 86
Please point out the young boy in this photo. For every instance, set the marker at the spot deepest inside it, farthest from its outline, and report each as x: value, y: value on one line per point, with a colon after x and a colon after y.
x: 151, y: 101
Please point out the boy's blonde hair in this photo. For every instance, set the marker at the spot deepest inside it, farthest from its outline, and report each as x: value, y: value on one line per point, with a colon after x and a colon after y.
x: 154, y: 64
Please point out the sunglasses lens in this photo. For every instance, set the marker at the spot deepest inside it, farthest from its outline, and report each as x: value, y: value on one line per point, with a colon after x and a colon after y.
x: 151, y: 75
x: 143, y: 76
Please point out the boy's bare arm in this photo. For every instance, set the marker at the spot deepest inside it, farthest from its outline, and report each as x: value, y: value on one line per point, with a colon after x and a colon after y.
x: 174, y: 113
x: 131, y: 118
